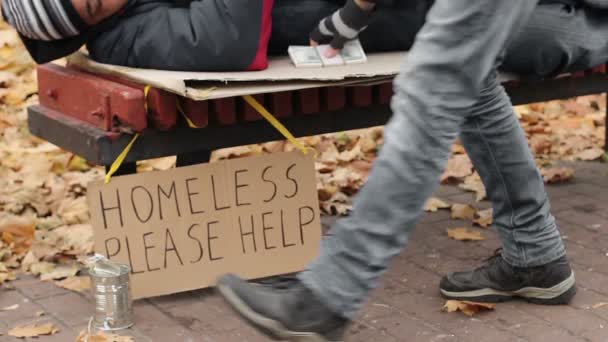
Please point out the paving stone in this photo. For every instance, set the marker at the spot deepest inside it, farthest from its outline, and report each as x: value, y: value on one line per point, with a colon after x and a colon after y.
x: 208, y: 317
x: 167, y: 302
x: 576, y: 321
x: 71, y: 308
x: 26, y: 310
x: 574, y: 200
x: 158, y: 326
x: 364, y: 333
x: 589, y: 279
x: 36, y: 289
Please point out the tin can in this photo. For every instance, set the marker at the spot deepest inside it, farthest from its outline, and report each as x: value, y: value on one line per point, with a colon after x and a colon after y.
x: 112, y: 294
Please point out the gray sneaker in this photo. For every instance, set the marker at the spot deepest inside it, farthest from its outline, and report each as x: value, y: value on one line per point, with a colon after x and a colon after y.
x: 284, y: 311
x: 497, y: 281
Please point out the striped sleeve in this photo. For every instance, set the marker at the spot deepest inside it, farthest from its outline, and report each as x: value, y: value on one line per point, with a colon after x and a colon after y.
x: 43, y: 19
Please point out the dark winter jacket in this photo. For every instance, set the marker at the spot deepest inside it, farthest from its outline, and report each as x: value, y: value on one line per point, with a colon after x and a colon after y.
x: 175, y: 35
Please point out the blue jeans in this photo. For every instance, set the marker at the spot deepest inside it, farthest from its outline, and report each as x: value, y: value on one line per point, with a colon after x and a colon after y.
x: 447, y: 87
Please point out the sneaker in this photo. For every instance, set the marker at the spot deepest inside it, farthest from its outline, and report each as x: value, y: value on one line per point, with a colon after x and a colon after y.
x: 288, y: 311
x: 497, y: 281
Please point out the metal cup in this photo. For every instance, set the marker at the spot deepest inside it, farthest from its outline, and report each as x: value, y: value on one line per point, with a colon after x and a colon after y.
x: 112, y: 294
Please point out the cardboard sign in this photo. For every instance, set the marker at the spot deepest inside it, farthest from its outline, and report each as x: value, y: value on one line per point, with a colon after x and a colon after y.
x: 181, y: 229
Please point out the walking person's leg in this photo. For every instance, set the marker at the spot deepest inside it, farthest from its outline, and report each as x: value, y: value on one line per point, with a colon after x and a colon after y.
x: 452, y: 61
x: 498, y: 148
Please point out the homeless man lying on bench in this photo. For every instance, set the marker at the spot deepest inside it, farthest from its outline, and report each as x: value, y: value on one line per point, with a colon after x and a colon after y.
x: 221, y: 35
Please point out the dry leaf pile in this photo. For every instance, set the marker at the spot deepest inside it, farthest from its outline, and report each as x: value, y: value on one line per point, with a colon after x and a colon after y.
x: 44, y: 219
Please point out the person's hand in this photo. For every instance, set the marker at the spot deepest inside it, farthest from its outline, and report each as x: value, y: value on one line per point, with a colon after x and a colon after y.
x: 342, y: 26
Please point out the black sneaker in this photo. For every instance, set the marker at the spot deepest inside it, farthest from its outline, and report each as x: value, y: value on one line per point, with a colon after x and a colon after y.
x: 497, y: 281
x: 288, y: 311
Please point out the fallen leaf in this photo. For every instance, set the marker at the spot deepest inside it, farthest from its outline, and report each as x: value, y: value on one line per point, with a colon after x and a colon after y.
x: 458, y: 167
x: 84, y: 336
x: 473, y: 183
x: 458, y: 149
x: 60, y: 272
x: 349, y: 156
x: 600, y: 305
x: 464, y: 234
x: 274, y: 146
x: 467, y: 308
x: 74, y: 210
x: 33, y: 330
x: 40, y: 268
x: 463, y: 212
x: 591, y: 154
x: 30, y: 259
x: 362, y: 167
x: 159, y: 164
x: 339, y: 204
x: 78, y: 284
x: 76, y: 239
x: 6, y: 276
x: 18, y: 232
x: 10, y: 308
x: 557, y: 174
x: 434, y: 204
x: 77, y: 163
x: 484, y: 218
x: 368, y: 144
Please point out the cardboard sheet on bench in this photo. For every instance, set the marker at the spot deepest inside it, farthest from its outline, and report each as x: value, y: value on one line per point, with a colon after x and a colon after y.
x: 280, y: 76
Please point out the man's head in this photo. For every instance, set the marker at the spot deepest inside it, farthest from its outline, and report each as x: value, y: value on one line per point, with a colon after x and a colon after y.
x: 57, y: 19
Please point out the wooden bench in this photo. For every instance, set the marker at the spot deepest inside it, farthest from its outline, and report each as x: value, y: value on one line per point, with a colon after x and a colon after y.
x: 94, y: 116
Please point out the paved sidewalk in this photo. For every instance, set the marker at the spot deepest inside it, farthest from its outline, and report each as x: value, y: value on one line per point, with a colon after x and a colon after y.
x: 406, y: 308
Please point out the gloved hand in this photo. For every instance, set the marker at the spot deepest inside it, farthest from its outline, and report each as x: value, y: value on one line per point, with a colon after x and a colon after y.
x: 343, y: 25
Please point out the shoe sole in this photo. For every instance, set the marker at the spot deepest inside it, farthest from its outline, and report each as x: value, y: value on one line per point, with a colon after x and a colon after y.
x: 267, y: 326
x: 559, y: 294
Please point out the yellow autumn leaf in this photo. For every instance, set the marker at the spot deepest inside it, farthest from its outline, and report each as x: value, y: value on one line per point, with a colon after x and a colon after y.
x: 466, y: 307
x: 434, y: 204
x: 458, y: 167
x: 33, y: 330
x: 463, y: 212
x: 10, y: 308
x: 78, y: 284
x: 484, y: 218
x: 557, y: 174
x: 600, y: 305
x: 465, y: 234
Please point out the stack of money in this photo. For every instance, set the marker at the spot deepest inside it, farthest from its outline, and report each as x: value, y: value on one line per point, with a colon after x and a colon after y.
x: 314, y: 57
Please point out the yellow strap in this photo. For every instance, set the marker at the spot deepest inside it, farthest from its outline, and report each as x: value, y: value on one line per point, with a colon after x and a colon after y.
x: 146, y: 92
x: 276, y: 123
x: 181, y: 110
x: 121, y: 158
x: 205, y: 93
